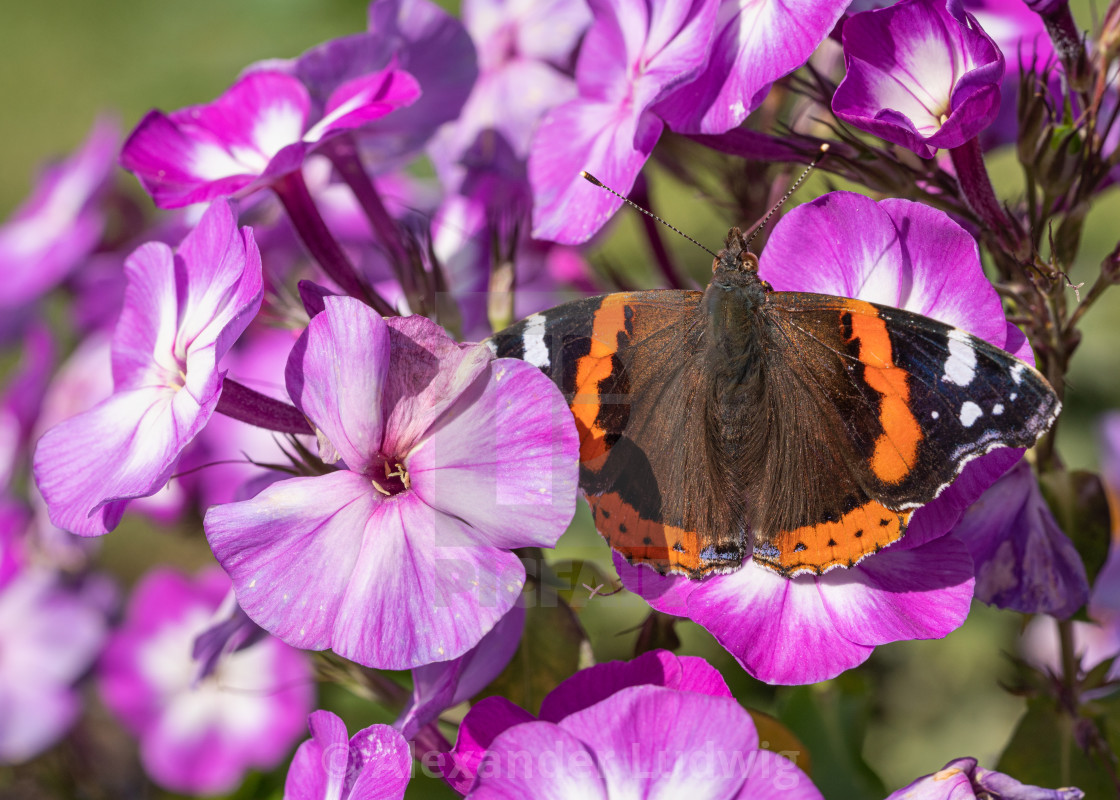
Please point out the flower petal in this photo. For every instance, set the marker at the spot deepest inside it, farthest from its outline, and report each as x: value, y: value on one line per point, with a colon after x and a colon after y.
x: 538, y: 760
x: 336, y: 374
x: 505, y: 459
x: 611, y: 143
x: 291, y: 551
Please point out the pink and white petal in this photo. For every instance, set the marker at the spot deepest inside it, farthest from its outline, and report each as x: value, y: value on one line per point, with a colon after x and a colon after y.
x: 774, y: 777
x: 662, y: 744
x: 256, y: 118
x: 224, y: 284
x: 176, y: 169
x: 336, y: 373
x: 386, y: 764
x: 613, y: 43
x: 559, y: 767
x: 744, y: 61
x: 486, y: 720
x: 291, y: 552
x: 503, y: 459
x: 429, y: 372
x: 610, y: 142
x: 33, y: 717
x: 143, y: 348
x: 422, y: 589
x: 124, y: 447
x: 946, y: 280
x: 923, y: 593
x: 364, y: 99
x: 779, y: 629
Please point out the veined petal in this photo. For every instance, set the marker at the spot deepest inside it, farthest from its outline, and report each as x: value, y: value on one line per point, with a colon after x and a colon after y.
x: 923, y: 593
x: 661, y: 744
x: 503, y: 460
x: 422, y: 589
x: 779, y: 629
x: 363, y: 100
x: 336, y: 374
x: 611, y: 143
x: 744, y: 61
x: 542, y: 761
x: 214, y: 150
x: 291, y: 552
x: 122, y: 448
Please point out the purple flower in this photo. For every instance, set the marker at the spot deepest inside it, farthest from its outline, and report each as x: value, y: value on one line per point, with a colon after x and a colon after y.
x: 200, y: 737
x: 373, y: 764
x: 634, y: 54
x: 21, y: 399
x: 261, y: 129
x: 439, y: 686
x: 1104, y: 604
x: 1023, y: 560
x: 700, y: 66
x: 961, y: 779
x: 810, y: 628
x: 51, y: 631
x: 524, y: 50
x: 922, y: 74
x: 447, y: 461
x: 656, y: 726
x: 60, y: 224
x: 182, y: 312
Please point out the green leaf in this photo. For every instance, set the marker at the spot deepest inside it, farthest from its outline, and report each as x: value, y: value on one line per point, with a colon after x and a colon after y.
x: 831, y: 719
x: 1044, y: 752
x: 1080, y: 507
x: 552, y: 648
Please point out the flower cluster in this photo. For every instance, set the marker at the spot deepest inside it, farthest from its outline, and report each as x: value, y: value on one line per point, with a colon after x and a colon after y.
x: 290, y: 372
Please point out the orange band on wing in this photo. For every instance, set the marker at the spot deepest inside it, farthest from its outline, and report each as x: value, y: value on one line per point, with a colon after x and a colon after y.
x: 666, y: 548
x: 593, y: 368
x: 896, y: 449
x: 843, y: 543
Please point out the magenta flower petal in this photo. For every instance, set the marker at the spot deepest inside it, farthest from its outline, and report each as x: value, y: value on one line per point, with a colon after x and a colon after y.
x: 657, y: 668
x: 182, y: 313
x: 922, y: 593
x: 610, y: 143
x: 962, y: 779
x: 317, y: 524
x: 513, y: 487
x: 60, y: 224
x: 539, y: 746
x: 487, y: 719
x: 936, y: 86
x: 634, y: 53
x: 744, y: 61
x: 200, y: 737
x: 373, y: 764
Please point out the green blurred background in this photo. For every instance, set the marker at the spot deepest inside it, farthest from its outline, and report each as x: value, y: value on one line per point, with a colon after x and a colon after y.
x: 65, y: 62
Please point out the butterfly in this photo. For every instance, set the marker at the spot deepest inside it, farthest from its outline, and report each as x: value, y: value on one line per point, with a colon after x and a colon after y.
x: 801, y: 430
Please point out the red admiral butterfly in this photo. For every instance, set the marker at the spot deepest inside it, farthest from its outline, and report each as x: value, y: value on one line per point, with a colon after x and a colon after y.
x: 802, y: 429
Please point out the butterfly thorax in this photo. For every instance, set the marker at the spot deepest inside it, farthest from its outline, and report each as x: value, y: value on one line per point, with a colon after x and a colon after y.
x: 733, y: 305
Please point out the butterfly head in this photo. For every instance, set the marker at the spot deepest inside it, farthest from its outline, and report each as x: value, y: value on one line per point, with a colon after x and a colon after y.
x: 735, y: 264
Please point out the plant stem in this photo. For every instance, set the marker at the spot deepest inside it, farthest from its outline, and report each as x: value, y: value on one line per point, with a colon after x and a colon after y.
x: 976, y: 188
x: 322, y: 245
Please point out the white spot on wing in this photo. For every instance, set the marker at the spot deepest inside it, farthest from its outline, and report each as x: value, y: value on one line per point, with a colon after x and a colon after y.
x: 960, y: 366
x: 1017, y: 374
x: 935, y: 414
x: 997, y: 409
x: 970, y: 412
x: 536, y: 351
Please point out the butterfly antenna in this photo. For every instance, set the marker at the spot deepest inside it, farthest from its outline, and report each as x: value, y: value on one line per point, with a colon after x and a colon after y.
x: 592, y: 179
x: 787, y: 195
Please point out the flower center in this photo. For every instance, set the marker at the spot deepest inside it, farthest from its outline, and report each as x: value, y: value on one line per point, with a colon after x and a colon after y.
x: 395, y: 480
